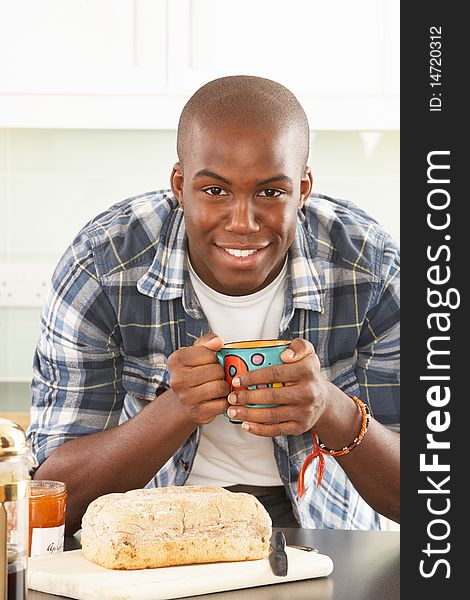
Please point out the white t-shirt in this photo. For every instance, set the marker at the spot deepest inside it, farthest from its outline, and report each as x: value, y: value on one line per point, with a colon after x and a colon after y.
x: 227, y: 454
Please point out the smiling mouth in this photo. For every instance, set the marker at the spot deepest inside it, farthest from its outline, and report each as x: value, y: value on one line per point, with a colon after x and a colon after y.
x: 238, y: 252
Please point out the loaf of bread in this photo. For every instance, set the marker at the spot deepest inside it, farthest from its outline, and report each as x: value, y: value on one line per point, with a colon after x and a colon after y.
x: 148, y: 528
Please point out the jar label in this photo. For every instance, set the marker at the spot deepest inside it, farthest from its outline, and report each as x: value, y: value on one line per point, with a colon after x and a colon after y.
x: 47, y: 540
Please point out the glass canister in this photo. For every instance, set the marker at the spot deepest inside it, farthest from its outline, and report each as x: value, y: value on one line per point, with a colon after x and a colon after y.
x: 15, y: 462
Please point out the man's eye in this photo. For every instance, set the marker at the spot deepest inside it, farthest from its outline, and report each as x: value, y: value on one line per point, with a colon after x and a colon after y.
x: 215, y: 191
x: 270, y: 193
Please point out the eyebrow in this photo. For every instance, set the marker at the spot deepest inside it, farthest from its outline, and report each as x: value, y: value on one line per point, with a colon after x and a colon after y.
x: 284, y: 178
x: 206, y: 173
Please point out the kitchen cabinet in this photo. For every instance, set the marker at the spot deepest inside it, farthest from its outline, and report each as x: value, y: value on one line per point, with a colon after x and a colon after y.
x: 82, y: 63
x: 134, y: 63
x: 317, y: 48
x: 86, y: 47
x: 391, y: 54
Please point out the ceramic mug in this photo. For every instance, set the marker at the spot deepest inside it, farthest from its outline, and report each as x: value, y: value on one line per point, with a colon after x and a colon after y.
x: 239, y: 357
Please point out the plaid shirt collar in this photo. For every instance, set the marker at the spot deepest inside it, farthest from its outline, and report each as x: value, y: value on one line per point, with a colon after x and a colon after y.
x: 168, y: 276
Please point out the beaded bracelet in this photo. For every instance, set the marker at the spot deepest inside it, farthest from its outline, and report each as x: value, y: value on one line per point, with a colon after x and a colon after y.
x: 319, y: 449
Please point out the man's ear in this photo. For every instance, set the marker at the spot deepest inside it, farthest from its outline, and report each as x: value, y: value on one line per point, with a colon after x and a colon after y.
x: 176, y: 182
x: 306, y: 186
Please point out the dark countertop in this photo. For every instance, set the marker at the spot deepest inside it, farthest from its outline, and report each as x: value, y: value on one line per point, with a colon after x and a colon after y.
x: 366, y: 567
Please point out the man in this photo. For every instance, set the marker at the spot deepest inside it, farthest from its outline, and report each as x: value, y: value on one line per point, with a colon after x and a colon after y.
x: 127, y: 390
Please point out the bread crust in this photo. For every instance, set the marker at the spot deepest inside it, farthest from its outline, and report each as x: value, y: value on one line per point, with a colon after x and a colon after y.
x: 176, y: 525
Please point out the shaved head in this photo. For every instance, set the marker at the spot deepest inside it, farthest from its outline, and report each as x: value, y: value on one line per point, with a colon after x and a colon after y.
x: 252, y: 103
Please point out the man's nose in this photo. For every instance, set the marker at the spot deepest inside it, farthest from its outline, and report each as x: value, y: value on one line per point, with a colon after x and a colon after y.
x: 243, y: 218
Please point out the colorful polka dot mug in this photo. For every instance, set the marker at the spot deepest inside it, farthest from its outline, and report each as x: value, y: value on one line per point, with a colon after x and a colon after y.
x: 240, y: 357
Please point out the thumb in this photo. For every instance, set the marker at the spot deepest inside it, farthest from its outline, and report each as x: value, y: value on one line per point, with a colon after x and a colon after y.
x: 210, y: 340
x: 298, y: 349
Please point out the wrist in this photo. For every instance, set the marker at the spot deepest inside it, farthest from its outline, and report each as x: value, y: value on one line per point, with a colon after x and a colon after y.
x: 339, y: 420
x: 169, y: 409
x: 319, y: 448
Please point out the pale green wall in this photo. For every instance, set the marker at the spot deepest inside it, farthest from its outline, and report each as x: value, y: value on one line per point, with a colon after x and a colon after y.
x: 53, y: 181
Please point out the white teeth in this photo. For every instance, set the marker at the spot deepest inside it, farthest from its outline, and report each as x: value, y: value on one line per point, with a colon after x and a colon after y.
x: 236, y: 252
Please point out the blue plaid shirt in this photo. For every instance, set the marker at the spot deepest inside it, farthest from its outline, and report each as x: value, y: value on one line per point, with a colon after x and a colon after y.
x: 121, y: 302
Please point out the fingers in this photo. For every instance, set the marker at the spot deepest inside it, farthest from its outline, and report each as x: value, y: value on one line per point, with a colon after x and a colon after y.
x: 273, y: 429
x: 271, y: 414
x: 302, y: 364
x: 210, y: 340
x: 298, y: 349
x: 198, y: 379
x: 274, y: 395
x: 202, y: 352
x: 205, y: 412
x: 199, y: 382
x: 192, y: 356
x: 204, y: 373
x: 206, y: 392
x: 271, y: 421
x: 199, y: 389
x: 294, y: 416
x: 203, y: 402
x: 275, y: 374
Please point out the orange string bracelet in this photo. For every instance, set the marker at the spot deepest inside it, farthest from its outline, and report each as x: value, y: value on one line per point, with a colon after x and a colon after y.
x: 319, y: 449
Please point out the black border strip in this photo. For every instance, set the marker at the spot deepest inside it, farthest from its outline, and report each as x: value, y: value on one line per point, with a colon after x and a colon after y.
x: 433, y: 248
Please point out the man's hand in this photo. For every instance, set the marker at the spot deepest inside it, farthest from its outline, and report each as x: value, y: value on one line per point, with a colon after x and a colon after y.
x: 198, y: 379
x: 303, y: 397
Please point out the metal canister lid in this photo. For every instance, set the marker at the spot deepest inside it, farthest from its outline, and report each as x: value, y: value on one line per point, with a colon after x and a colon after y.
x: 12, y: 439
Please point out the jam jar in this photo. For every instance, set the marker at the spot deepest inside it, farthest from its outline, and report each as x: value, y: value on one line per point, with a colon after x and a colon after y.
x: 47, y: 503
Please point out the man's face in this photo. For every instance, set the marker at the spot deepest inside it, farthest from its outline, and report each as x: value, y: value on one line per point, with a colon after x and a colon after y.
x: 240, y: 192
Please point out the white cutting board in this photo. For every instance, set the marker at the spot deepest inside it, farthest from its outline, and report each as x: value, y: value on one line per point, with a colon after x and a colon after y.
x: 71, y: 574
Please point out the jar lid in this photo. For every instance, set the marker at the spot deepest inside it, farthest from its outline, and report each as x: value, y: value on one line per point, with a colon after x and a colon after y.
x: 39, y: 488
x: 12, y: 439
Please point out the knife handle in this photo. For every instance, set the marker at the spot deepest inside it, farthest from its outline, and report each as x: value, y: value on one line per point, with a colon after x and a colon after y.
x: 279, y: 541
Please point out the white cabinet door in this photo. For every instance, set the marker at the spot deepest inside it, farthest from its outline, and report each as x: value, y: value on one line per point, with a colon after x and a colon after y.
x: 392, y: 48
x: 83, y: 46
x: 314, y: 47
x: 133, y: 63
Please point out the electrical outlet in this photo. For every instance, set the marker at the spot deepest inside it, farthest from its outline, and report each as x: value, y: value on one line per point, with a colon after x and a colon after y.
x: 24, y: 284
